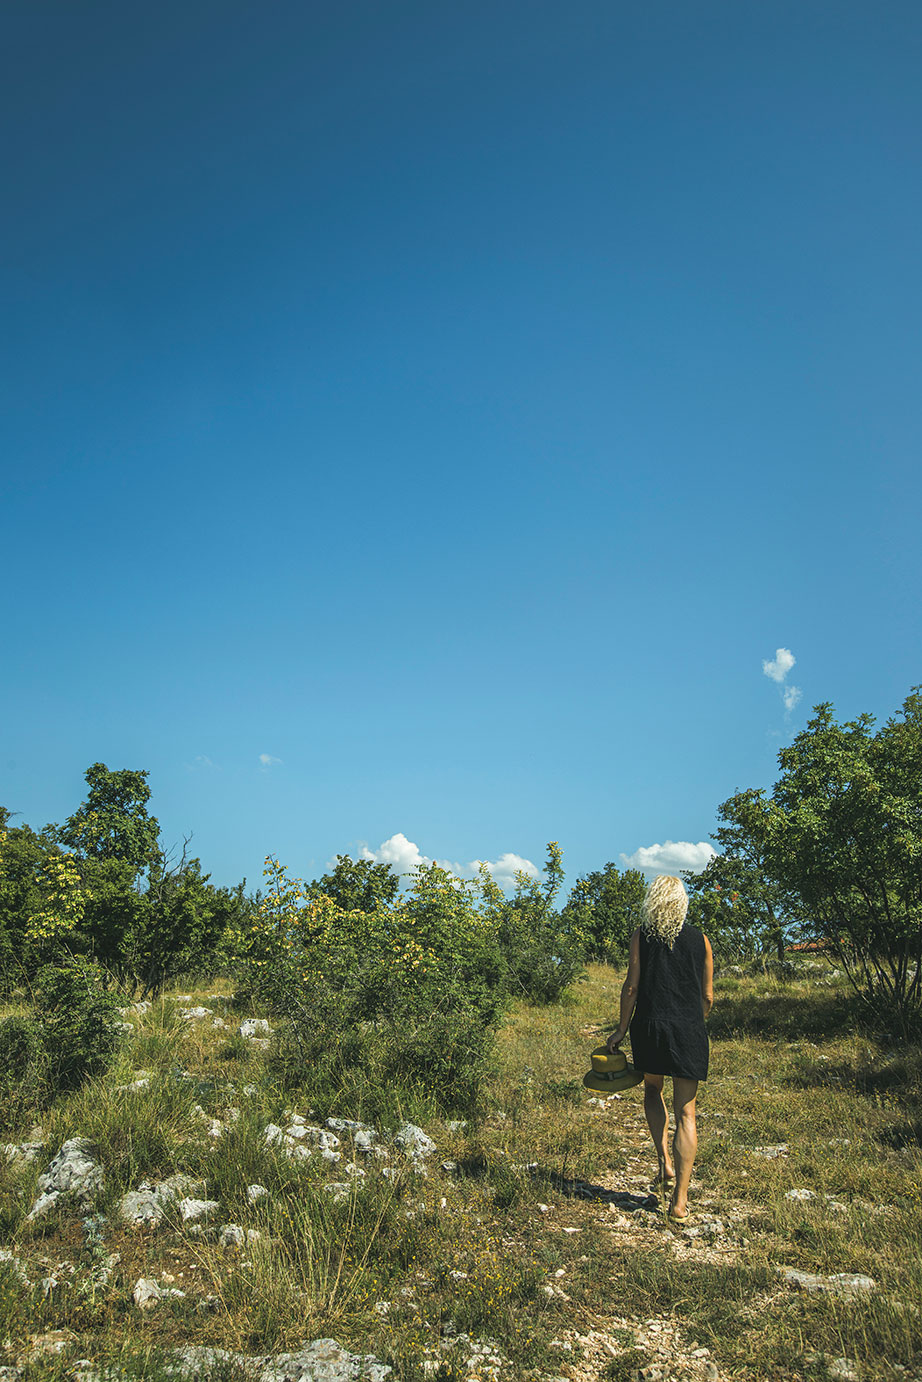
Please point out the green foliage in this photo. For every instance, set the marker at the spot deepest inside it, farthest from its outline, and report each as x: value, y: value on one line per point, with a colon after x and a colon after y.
x: 79, y: 1021
x: 186, y: 922
x: 746, y: 913
x: 24, y: 858
x: 604, y: 907
x: 844, y: 830
x: 113, y: 823
x: 23, y: 1068
x: 840, y: 842
x: 359, y: 885
x: 543, y: 950
x: 118, y: 897
x: 175, y: 923
x: 406, y: 996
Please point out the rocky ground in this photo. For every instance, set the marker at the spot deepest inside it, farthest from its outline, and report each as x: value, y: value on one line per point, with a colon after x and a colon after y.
x: 174, y: 1222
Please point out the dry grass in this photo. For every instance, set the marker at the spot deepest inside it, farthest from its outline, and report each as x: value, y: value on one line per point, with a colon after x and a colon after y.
x: 539, y: 1240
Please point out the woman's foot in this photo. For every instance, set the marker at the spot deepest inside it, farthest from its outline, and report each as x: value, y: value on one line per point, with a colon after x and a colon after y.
x: 676, y: 1211
x: 665, y: 1177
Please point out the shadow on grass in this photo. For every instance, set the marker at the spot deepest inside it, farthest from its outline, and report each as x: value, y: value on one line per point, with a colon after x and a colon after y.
x: 477, y: 1167
x: 885, y: 1079
x: 786, y: 1015
x: 575, y: 1189
x: 901, y: 1135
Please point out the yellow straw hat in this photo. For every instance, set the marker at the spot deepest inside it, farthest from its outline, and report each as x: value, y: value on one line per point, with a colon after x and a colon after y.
x: 610, y: 1072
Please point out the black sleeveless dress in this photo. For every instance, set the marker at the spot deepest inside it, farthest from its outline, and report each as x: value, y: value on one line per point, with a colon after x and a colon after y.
x: 668, y: 1035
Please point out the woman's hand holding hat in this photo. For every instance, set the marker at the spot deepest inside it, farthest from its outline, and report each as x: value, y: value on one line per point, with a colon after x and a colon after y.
x: 615, y: 1040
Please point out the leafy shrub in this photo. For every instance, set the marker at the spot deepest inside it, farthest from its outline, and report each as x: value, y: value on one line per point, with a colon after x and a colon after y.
x: 405, y: 997
x: 23, y: 1068
x: 542, y: 949
x: 604, y: 907
x: 79, y: 1022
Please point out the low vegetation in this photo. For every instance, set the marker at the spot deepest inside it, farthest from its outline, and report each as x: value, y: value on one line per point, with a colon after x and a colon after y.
x: 531, y: 1245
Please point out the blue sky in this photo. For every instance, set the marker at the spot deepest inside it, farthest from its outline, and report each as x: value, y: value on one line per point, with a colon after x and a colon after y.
x: 425, y: 420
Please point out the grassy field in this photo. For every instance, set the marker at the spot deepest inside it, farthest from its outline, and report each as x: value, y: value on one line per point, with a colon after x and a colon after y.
x: 532, y: 1247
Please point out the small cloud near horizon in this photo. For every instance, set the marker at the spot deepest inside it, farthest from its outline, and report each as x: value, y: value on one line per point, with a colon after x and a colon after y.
x: 776, y: 669
x: 268, y: 760
x: 405, y: 857
x: 673, y: 856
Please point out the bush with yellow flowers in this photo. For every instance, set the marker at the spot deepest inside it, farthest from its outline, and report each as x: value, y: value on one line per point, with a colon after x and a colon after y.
x: 407, y: 995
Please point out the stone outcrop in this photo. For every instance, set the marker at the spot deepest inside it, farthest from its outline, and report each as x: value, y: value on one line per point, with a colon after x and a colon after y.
x: 73, y: 1172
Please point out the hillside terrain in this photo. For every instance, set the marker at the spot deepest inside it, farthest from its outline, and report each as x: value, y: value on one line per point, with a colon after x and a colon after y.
x: 183, y: 1217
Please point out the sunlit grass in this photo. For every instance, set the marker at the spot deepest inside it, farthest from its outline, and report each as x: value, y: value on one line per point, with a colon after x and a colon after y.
x: 397, y: 1266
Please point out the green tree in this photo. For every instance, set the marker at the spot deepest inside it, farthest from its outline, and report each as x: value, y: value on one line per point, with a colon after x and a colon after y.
x: 605, y: 907
x: 840, y: 837
x: 145, y: 918
x: 186, y: 923
x: 25, y: 858
x: 113, y: 824
x: 746, y: 913
x: 115, y: 840
x: 359, y: 885
x: 543, y: 950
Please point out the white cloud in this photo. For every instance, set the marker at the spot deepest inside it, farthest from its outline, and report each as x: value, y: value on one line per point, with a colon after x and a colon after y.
x: 201, y: 760
x: 398, y: 851
x: 504, y: 869
x: 267, y: 760
x: 671, y: 857
x: 778, y: 667
x: 405, y: 856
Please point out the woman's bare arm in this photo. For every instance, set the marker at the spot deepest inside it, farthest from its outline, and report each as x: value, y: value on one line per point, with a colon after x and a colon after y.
x: 628, y: 993
x: 707, y: 979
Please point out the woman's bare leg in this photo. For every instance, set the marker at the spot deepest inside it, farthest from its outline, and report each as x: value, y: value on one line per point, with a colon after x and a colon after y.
x: 654, y: 1106
x: 685, y: 1142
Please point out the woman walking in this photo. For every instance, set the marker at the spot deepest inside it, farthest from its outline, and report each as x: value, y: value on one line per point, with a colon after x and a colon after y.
x: 668, y: 993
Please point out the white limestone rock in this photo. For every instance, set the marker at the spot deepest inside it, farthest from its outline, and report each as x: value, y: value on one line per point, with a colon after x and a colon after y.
x: 416, y: 1143
x: 15, y: 1265
x: 193, y: 1210
x: 844, y: 1284
x: 72, y: 1172
x: 254, y: 1027
x: 149, y: 1204
x: 348, y: 1125
x: 147, y: 1293
x: 42, y: 1205
x: 324, y: 1360
x: 22, y: 1151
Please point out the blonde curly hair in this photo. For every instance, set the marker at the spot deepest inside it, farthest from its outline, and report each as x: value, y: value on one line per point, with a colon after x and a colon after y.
x: 664, y: 909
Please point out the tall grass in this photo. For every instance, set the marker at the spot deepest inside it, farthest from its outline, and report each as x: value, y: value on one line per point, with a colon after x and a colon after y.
x: 530, y: 1234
